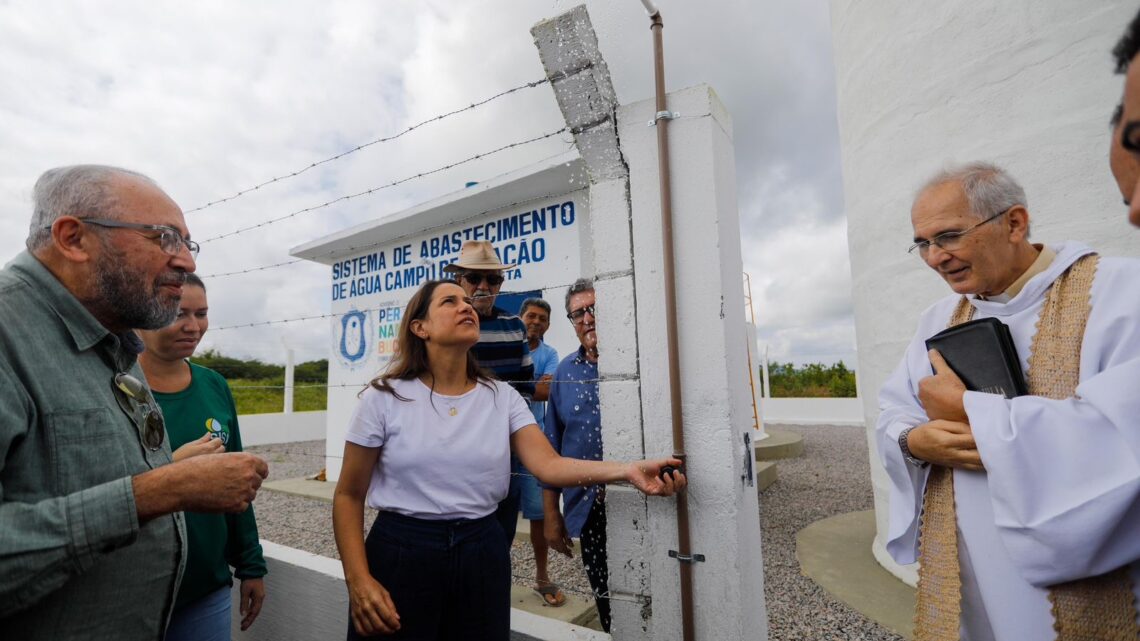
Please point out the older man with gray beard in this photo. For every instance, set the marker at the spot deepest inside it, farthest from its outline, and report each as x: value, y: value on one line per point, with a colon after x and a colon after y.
x: 93, y: 537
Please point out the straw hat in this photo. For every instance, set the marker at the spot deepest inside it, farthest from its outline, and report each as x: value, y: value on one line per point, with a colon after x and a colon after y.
x: 476, y: 254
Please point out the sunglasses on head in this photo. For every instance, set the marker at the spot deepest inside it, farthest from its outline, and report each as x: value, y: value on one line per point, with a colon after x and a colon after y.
x: 476, y: 279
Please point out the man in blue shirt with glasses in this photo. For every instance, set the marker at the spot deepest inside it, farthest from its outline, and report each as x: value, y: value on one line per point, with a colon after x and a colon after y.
x: 573, y: 425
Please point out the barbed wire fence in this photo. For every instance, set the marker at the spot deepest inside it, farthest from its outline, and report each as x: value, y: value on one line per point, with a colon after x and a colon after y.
x: 286, y: 176
x: 437, y: 118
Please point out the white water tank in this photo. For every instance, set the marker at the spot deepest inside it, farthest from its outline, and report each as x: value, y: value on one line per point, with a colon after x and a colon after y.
x: 1027, y: 84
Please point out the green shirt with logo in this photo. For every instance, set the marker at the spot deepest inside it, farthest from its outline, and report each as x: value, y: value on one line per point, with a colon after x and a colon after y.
x: 216, y: 541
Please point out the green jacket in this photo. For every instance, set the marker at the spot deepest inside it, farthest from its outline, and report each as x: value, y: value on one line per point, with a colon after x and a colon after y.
x: 216, y: 541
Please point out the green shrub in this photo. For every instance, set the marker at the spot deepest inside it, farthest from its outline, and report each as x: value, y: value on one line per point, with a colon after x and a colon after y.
x: 267, y: 395
x: 811, y: 381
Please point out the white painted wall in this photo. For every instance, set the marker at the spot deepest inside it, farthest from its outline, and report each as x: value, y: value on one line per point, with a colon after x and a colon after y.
x: 278, y: 427
x: 812, y: 411
x: 1025, y: 83
x: 724, y: 512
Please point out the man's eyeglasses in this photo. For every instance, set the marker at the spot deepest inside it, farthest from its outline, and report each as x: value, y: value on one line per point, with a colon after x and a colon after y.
x: 951, y: 240
x: 169, y: 239
x: 476, y: 279
x: 578, y: 315
x: 154, y: 427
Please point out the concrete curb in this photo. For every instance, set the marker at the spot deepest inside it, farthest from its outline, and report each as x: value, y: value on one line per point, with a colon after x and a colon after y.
x: 836, y: 553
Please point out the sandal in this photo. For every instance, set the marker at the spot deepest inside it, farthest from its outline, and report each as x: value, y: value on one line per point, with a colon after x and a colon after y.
x: 552, y: 595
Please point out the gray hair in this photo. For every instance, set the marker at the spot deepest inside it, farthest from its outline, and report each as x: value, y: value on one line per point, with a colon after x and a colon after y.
x: 579, y: 286
x: 989, y: 189
x: 79, y: 190
x: 534, y: 302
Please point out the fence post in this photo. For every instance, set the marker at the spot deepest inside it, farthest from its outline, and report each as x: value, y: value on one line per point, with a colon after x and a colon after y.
x: 767, y: 385
x: 288, y: 381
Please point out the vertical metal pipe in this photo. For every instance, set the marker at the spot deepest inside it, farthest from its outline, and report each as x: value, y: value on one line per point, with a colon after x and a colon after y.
x: 683, y: 547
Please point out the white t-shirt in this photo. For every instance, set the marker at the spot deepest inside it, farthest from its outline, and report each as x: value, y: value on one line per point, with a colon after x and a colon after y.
x: 441, y: 457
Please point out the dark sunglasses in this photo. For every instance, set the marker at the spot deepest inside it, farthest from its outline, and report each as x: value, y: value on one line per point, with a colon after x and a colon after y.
x: 154, y: 427
x: 493, y: 280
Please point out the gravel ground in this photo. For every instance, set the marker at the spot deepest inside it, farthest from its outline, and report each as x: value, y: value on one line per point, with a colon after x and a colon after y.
x: 832, y: 477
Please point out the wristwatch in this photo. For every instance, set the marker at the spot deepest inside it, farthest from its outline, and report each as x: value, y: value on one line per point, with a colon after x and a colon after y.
x: 906, y: 450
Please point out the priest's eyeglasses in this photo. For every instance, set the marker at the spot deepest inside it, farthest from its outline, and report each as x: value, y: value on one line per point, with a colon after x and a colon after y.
x: 951, y: 240
x: 169, y: 239
x: 153, y: 425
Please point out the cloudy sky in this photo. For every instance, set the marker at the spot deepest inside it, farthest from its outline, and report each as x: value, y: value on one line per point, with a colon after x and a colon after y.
x: 213, y: 97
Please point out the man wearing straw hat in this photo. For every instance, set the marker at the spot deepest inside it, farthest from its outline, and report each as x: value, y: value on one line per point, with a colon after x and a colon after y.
x: 502, y: 347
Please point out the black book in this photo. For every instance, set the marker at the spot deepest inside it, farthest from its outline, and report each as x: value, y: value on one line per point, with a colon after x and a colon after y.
x: 982, y: 354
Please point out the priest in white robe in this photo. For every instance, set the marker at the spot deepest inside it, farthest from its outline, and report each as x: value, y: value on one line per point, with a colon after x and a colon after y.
x: 1045, y: 490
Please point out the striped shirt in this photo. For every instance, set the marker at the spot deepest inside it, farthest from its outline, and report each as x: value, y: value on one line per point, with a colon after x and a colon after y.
x: 502, y: 350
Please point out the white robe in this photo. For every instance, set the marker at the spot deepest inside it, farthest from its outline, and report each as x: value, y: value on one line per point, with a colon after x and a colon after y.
x: 1060, y: 497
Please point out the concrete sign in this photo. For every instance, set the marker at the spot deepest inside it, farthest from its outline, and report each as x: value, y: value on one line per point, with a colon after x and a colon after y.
x: 376, y: 268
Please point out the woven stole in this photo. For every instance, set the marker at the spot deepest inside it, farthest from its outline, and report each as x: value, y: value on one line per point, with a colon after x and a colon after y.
x: 1097, y: 608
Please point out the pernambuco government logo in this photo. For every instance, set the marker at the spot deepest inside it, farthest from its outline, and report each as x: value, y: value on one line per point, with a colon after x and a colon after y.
x: 353, y: 336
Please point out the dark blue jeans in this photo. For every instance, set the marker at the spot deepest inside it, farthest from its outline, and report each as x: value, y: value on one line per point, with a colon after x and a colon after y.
x: 450, y: 580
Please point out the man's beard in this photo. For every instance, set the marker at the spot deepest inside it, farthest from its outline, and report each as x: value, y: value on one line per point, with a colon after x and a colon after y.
x: 130, y: 300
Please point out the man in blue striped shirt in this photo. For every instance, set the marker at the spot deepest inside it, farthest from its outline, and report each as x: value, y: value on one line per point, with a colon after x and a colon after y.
x: 502, y: 348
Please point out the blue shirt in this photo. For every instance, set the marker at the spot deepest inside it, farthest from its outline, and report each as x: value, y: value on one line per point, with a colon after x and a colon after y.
x: 545, y: 363
x: 574, y: 426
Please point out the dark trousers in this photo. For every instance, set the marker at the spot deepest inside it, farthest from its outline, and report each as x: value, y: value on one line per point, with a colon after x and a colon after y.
x: 507, y: 514
x: 594, y: 558
x: 450, y: 580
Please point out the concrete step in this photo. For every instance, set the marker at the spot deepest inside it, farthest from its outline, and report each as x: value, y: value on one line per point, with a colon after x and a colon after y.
x: 779, y: 444
x: 578, y: 609
x: 836, y: 553
x: 765, y: 474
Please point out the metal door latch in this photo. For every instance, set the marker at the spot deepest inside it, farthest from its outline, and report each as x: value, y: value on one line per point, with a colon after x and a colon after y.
x: 748, y: 476
x: 687, y: 558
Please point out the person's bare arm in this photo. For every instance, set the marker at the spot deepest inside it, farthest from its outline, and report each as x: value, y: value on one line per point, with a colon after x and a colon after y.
x: 542, y: 388
x: 372, y: 608
x: 206, y: 444
x: 207, y: 483
x: 539, y: 457
x: 553, y: 525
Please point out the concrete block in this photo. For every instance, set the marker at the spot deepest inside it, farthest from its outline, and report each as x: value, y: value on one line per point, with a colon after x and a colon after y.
x: 626, y: 527
x: 616, y: 327
x: 567, y: 43
x: 586, y: 98
x: 621, y: 420
x: 599, y: 149
x: 610, y: 226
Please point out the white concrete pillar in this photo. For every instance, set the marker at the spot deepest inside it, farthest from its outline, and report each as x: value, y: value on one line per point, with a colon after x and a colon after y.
x: 767, y: 383
x: 626, y: 255
x: 1024, y: 83
x: 725, y: 523
x: 288, y: 381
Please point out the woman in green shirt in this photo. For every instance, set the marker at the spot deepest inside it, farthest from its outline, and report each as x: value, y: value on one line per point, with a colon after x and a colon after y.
x: 201, y: 419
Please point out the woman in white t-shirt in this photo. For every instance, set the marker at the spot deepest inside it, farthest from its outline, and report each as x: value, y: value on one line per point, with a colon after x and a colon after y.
x: 429, y: 447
